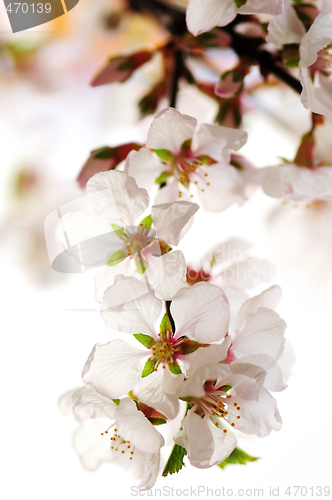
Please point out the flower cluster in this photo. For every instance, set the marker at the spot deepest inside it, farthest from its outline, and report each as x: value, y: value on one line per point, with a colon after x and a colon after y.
x: 183, y: 356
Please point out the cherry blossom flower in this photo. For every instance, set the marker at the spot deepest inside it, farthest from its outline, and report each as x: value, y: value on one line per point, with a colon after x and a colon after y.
x: 257, y: 341
x: 220, y: 400
x: 117, y: 433
x: 185, y: 155
x: 111, y: 234
x: 203, y: 16
x: 201, y: 316
x: 315, y: 63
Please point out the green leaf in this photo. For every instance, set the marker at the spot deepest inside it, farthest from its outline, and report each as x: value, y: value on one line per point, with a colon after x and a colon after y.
x: 149, y: 367
x: 238, y: 457
x: 117, y: 257
x: 165, y: 326
x: 157, y: 420
x: 175, y: 368
x: 175, y: 461
x: 164, y: 154
x: 146, y: 340
x: 116, y: 401
x: 147, y: 221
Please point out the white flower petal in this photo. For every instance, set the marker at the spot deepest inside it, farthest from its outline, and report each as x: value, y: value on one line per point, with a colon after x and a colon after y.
x: 87, y: 403
x: 145, y: 167
x: 257, y: 417
x: 151, y: 473
x: 317, y: 38
x: 129, y: 306
x: 114, y: 369
x: 271, y: 7
x: 171, y: 192
x: 274, y: 378
x: 170, y: 129
x: 170, y: 218
x: 92, y: 448
x: 206, y: 356
x: 197, y: 439
x: 215, y: 141
x: 201, y: 313
x: 285, y: 28
x: 262, y: 334
x: 161, y: 393
x: 268, y: 298
x: 117, y: 197
x: 105, y: 276
x: 135, y: 427
x: 225, y: 186
x: 169, y: 276
x: 203, y: 16
x: 316, y: 96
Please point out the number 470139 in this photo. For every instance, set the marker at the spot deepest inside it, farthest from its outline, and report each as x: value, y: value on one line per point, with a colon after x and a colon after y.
x: 38, y: 8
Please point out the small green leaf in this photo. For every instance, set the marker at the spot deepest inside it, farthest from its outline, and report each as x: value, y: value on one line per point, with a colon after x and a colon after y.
x: 146, y: 340
x: 175, y: 368
x: 149, y: 367
x: 164, y: 155
x: 116, y: 401
x: 157, y: 420
x: 147, y: 221
x: 175, y: 461
x: 165, y: 326
x: 117, y: 257
x: 237, y: 457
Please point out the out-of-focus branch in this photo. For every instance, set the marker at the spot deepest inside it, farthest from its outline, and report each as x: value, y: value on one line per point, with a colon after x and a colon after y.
x: 175, y: 21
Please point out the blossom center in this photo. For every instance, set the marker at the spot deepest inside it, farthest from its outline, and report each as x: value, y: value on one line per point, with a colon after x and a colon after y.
x: 138, y: 241
x: 324, y: 61
x: 163, y: 352
x: 119, y: 444
x: 217, y: 404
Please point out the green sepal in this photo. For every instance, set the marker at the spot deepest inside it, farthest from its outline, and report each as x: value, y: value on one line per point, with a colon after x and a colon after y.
x: 117, y: 257
x: 164, y: 248
x: 140, y: 265
x: 116, y: 401
x: 175, y: 368
x: 146, y: 340
x: 205, y: 159
x: 165, y: 326
x: 163, y: 177
x: 225, y: 388
x: 157, y: 420
x: 186, y: 146
x: 149, y: 367
x: 119, y: 231
x: 238, y: 456
x: 147, y: 221
x: 164, y: 155
x: 125, y: 65
x: 188, y: 346
x: 175, y: 461
x: 239, y: 3
x: 104, y: 153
